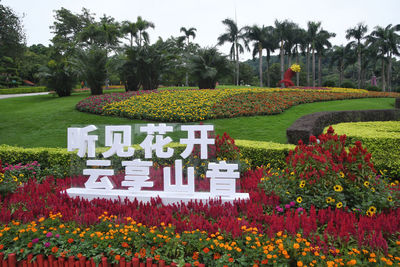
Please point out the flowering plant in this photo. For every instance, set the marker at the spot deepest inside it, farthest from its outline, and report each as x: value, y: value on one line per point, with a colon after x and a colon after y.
x: 295, y: 67
x: 328, y: 174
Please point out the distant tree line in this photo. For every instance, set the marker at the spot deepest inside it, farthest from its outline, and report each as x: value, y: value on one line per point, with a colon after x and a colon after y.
x: 92, y: 51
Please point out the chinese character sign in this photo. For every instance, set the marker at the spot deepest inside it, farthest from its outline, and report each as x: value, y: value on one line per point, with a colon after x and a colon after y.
x: 118, y: 141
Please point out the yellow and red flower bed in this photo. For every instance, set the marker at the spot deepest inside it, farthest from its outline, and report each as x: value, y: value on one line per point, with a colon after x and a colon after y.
x: 198, y: 105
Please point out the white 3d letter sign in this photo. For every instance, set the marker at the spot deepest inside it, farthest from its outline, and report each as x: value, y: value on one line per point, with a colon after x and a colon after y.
x: 137, y: 172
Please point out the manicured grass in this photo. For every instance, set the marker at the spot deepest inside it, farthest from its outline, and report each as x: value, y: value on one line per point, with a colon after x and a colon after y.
x: 42, y: 121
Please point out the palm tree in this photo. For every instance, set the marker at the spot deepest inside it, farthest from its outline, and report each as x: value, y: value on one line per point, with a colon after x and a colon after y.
x: 322, y: 43
x: 357, y: 33
x: 312, y: 31
x: 299, y: 40
x: 270, y: 44
x: 338, y: 56
x: 187, y: 33
x: 233, y: 35
x: 378, y: 40
x: 393, y: 41
x: 280, y: 31
x: 131, y: 29
x: 208, y: 65
x: 258, y: 36
x: 142, y: 25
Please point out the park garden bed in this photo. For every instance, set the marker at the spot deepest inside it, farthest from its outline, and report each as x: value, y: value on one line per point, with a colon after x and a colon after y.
x: 295, y: 216
x: 198, y: 105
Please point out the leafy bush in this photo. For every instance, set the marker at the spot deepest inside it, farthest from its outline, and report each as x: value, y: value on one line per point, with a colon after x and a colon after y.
x: 373, y: 88
x: 348, y: 84
x: 329, y: 83
x: 59, y: 77
x: 326, y: 173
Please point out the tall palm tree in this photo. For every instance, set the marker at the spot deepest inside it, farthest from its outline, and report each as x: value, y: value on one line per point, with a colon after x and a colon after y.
x: 281, y: 32
x: 142, y: 25
x: 258, y: 36
x: 357, y: 33
x: 187, y: 33
x: 378, y: 40
x: 131, y: 29
x: 338, y: 56
x: 393, y: 41
x: 312, y: 31
x: 270, y: 44
x: 299, y: 40
x: 233, y: 35
x: 322, y: 44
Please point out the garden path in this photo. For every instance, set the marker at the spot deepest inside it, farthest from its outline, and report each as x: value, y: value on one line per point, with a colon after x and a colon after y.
x: 19, y: 95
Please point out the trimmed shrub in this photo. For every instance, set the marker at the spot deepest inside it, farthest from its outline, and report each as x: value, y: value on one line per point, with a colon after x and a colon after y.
x: 373, y: 88
x: 23, y: 90
x: 382, y: 140
x: 264, y: 153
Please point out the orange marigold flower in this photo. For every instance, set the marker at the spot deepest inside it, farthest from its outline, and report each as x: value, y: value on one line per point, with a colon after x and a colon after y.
x: 299, y: 263
x: 54, y: 249
x: 157, y: 257
x: 70, y: 240
x: 206, y: 250
x: 1, y: 246
x: 231, y: 260
x: 296, y: 246
x: 195, y: 255
x: 117, y: 257
x: 30, y: 244
x: 124, y: 245
x: 79, y: 255
x: 265, y: 261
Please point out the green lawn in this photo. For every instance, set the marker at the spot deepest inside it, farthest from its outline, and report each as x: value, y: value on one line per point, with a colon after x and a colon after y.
x: 42, y: 121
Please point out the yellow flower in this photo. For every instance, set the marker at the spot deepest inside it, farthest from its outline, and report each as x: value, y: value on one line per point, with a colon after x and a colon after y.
x: 299, y: 199
x: 372, y: 209
x: 329, y: 200
x: 341, y: 174
x: 295, y: 67
x: 366, y: 183
x: 339, y: 205
x: 389, y: 198
x: 302, y: 184
x: 372, y: 189
x: 338, y: 188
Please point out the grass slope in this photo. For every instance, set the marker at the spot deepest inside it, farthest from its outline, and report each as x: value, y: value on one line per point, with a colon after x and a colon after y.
x: 42, y: 121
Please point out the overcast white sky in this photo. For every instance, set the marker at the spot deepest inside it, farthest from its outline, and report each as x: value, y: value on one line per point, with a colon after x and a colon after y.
x: 206, y: 15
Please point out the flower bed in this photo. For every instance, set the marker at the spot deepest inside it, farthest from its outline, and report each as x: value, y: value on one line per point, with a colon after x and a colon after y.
x: 197, y: 105
x: 270, y: 228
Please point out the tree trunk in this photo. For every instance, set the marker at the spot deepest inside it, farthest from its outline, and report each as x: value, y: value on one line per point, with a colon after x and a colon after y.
x: 383, y: 76
x: 313, y: 67
x: 308, y: 65
x: 341, y: 74
x: 282, y: 64
x: 237, y: 65
x: 297, y: 73
x: 359, y: 68
x: 260, y: 65
x: 289, y: 60
x: 319, y: 71
x: 389, y: 74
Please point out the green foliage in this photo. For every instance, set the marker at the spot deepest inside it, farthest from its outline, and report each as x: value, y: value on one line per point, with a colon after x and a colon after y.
x: 329, y: 174
x: 348, y: 84
x: 59, y: 77
x: 208, y: 66
x: 264, y: 153
x: 23, y: 90
x: 373, y: 88
x: 378, y: 137
x: 12, y: 36
x: 329, y: 83
x: 91, y: 65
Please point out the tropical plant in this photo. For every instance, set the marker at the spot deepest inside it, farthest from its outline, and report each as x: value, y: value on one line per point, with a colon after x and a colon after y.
x: 322, y: 44
x: 357, y: 33
x: 90, y: 64
x: 312, y: 31
x: 142, y: 25
x: 258, y: 36
x: 187, y: 33
x: 131, y: 29
x: 58, y: 76
x: 233, y: 35
x: 207, y: 66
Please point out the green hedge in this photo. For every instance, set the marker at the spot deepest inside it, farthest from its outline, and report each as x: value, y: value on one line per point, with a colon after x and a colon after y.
x: 263, y: 153
x: 382, y: 139
x: 23, y: 90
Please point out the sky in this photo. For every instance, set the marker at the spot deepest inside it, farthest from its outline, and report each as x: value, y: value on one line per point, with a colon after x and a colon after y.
x: 206, y: 15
